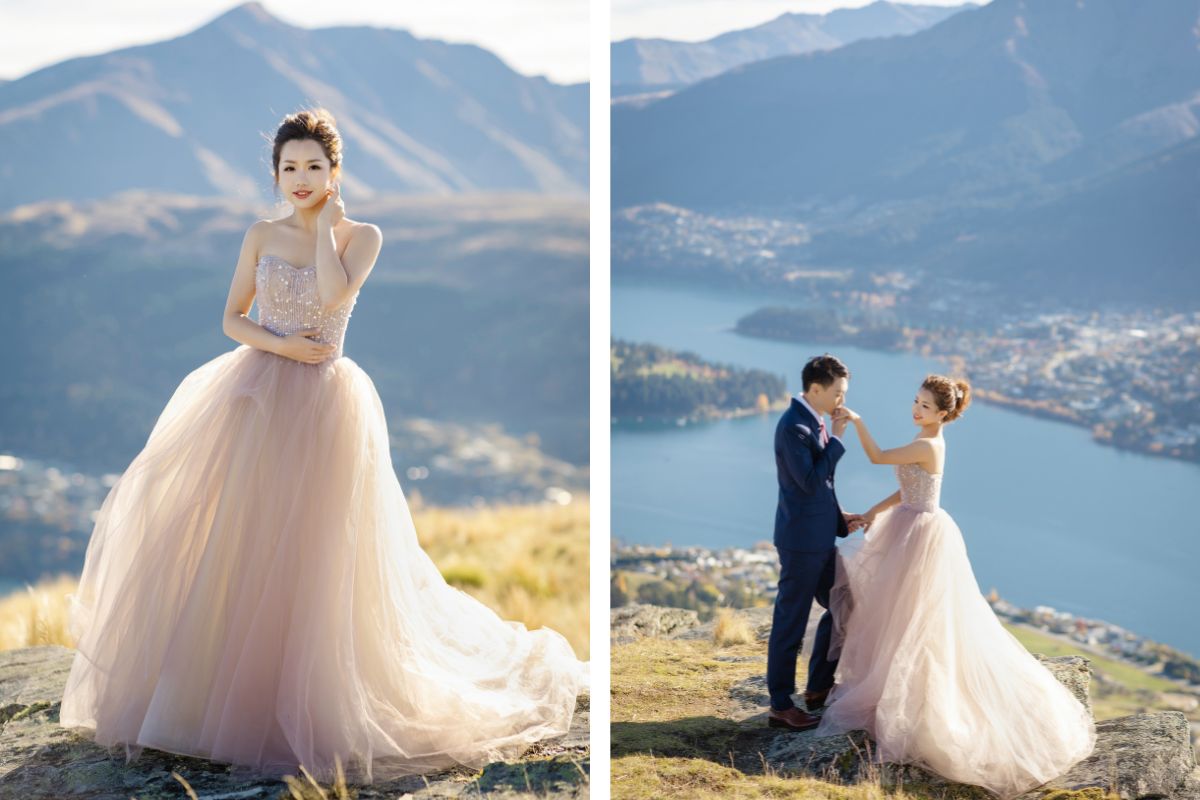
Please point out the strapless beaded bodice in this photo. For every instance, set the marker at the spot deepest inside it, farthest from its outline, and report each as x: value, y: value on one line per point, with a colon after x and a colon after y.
x: 919, y: 489
x: 288, y: 302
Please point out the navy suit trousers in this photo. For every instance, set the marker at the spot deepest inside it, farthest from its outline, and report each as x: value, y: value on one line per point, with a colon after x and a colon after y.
x: 803, y: 577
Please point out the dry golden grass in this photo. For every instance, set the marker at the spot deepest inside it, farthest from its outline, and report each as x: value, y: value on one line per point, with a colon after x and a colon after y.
x: 671, y: 737
x: 528, y: 563
x: 646, y: 777
x: 729, y: 629
x: 36, y: 615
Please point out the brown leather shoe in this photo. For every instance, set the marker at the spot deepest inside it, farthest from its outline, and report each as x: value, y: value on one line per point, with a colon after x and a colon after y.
x: 792, y: 719
x: 816, y: 700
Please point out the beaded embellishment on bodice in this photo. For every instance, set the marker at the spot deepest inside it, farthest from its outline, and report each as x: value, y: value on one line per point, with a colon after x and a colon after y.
x: 919, y: 489
x: 288, y: 301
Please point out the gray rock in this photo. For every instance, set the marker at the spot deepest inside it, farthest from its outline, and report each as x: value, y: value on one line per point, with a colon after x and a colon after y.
x: 1142, y: 755
x: 637, y: 620
x: 1191, y: 787
x: 39, y: 760
x: 1074, y: 672
x: 749, y: 697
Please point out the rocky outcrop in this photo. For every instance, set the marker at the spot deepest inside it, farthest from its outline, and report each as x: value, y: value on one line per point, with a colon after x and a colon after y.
x: 1143, y: 755
x: 41, y: 761
x: 636, y: 620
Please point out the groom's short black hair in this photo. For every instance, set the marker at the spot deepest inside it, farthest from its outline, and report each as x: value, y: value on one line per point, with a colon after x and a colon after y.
x: 823, y: 369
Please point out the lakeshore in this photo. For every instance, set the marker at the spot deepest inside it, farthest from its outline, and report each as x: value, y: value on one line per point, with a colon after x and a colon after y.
x: 706, y: 579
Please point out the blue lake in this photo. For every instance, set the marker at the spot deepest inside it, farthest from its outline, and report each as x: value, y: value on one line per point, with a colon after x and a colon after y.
x: 1049, y: 516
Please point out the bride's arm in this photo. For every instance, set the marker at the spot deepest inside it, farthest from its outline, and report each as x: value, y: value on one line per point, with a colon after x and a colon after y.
x: 236, y: 322
x: 883, y: 505
x: 918, y: 451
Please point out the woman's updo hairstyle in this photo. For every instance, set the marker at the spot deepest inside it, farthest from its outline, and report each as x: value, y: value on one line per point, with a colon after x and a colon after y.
x: 311, y: 123
x: 952, y: 395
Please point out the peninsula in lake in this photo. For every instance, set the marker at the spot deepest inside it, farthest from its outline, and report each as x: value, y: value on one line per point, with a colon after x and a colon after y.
x: 654, y: 383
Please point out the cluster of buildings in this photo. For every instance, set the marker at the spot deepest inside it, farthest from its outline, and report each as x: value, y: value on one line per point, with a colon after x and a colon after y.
x: 738, y: 576
x: 51, y: 495
x: 1132, y: 377
x: 754, y: 248
x: 452, y: 464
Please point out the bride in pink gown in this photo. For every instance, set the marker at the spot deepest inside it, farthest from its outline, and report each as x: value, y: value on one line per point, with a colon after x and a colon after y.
x: 254, y: 592
x: 925, y: 666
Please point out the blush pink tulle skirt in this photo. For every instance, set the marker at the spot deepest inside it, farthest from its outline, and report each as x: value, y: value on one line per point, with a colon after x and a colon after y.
x: 254, y: 593
x: 927, y: 669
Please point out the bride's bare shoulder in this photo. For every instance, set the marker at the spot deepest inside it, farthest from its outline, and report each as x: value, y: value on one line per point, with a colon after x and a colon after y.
x: 366, y: 239
x: 357, y: 228
x: 256, y: 236
x: 260, y: 229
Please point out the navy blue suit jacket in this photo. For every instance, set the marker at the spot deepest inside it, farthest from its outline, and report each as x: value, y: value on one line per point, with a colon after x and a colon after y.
x: 808, y: 517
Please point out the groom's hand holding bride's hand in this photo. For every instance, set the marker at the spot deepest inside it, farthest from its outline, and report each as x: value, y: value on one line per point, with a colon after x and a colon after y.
x: 839, y: 423
x: 855, y: 521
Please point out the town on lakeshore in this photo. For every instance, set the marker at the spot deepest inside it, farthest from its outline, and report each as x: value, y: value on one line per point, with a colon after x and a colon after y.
x: 1129, y: 372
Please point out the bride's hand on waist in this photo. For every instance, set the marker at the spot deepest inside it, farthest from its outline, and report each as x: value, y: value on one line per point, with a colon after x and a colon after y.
x: 298, y: 347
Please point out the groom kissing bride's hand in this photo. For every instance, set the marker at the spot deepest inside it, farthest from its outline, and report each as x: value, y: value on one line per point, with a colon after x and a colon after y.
x: 916, y: 658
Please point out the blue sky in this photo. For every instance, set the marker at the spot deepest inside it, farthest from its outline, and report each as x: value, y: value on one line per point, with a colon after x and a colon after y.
x: 535, y: 37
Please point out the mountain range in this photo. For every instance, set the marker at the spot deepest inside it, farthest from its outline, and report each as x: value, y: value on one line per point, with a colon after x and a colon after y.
x: 1008, y: 137
x: 195, y: 114
x: 643, y: 65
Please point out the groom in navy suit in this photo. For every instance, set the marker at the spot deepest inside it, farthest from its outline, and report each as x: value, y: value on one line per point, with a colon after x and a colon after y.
x: 808, y: 521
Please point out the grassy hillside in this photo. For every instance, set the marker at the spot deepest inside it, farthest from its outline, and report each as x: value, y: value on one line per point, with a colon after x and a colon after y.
x: 529, y: 563
x: 673, y: 735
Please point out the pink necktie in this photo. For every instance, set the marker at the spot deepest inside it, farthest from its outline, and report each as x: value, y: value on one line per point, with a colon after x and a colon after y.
x: 824, y: 433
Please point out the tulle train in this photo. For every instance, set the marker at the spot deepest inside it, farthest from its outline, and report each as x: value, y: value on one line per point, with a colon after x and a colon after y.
x: 929, y: 672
